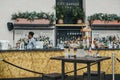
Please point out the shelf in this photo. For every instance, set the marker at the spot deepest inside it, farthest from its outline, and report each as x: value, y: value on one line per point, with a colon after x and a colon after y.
x: 107, y: 25
x: 69, y: 29
x: 70, y: 25
x: 33, y: 26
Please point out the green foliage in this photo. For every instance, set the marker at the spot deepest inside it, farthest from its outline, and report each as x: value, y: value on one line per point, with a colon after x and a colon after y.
x: 34, y: 15
x: 103, y: 17
x: 74, y: 11
x: 60, y: 12
x: 51, y: 17
x: 77, y: 13
x: 119, y: 19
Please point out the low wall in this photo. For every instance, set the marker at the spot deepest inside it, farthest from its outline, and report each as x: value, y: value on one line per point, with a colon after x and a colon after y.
x: 40, y: 61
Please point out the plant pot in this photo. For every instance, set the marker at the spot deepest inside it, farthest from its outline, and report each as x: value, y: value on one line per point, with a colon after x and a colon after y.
x: 60, y: 21
x: 41, y: 21
x: 35, y: 21
x: 79, y: 21
x: 105, y: 22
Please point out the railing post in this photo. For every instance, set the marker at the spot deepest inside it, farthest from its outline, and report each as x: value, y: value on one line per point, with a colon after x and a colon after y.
x: 113, y: 66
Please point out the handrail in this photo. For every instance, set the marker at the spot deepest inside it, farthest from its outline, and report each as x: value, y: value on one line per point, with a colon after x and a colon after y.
x: 21, y: 67
x: 36, y: 71
x: 39, y: 72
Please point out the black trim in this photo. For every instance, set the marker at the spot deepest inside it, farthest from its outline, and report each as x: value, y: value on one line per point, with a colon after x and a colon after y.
x: 107, y: 76
x: 104, y: 49
x: 105, y: 26
x: 34, y: 25
x: 33, y: 28
x: 111, y: 25
x: 49, y: 49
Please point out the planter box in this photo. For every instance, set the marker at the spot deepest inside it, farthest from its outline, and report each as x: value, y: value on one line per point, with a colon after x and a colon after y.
x: 36, y: 21
x: 105, y: 22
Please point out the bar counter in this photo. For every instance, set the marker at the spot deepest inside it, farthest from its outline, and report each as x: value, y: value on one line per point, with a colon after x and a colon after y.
x: 45, y: 49
x: 39, y: 60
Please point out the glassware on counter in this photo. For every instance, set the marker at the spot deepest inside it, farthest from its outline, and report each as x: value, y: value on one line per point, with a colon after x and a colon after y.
x: 71, y: 52
x: 66, y: 53
x: 80, y: 53
x: 4, y: 44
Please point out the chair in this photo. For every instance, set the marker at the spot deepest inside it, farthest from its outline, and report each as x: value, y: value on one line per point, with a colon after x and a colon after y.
x: 52, y: 76
x: 94, y: 74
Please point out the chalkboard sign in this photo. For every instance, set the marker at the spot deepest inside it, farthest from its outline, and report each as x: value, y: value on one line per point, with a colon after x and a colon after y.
x: 68, y: 4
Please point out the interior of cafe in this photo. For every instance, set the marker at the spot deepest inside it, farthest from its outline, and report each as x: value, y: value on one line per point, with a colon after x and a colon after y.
x: 60, y: 40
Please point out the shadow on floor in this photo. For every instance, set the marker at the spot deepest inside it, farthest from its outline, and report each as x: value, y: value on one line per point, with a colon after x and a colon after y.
x: 108, y: 77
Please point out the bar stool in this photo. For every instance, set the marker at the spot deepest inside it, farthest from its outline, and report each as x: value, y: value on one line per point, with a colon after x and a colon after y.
x: 94, y: 74
x: 52, y: 76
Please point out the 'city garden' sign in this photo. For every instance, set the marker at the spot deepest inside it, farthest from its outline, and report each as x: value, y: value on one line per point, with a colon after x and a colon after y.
x: 68, y: 2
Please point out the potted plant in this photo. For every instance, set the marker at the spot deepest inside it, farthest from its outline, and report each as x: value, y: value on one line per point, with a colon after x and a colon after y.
x: 52, y: 18
x: 103, y: 18
x: 118, y: 18
x: 60, y: 14
x: 78, y: 14
x: 33, y: 18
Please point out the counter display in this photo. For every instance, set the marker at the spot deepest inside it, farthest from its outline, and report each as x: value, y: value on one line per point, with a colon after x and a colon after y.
x: 104, y: 39
x: 39, y: 60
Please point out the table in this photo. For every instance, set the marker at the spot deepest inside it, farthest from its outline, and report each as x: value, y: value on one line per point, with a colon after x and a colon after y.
x: 84, y: 60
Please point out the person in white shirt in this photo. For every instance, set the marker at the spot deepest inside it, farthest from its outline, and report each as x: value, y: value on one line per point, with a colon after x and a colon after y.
x: 31, y: 43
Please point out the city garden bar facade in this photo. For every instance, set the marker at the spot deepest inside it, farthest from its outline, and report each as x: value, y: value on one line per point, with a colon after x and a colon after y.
x: 38, y: 36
